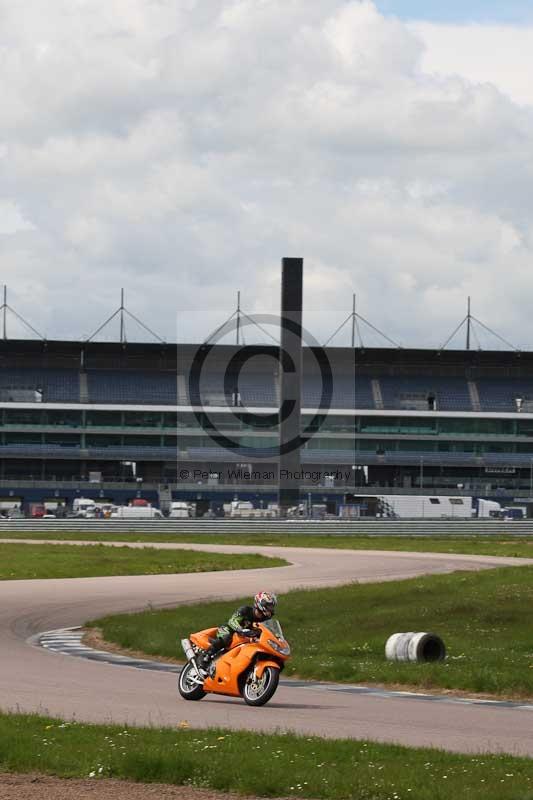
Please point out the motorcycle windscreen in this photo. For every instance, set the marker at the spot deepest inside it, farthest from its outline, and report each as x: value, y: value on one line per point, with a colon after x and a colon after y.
x: 273, y: 626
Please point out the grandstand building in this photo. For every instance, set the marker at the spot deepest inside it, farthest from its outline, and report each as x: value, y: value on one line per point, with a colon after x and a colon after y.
x: 117, y: 421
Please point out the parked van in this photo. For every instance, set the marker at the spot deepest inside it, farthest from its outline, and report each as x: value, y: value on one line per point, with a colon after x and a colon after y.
x: 83, y: 507
x: 180, y: 510
x: 136, y: 512
x: 241, y: 508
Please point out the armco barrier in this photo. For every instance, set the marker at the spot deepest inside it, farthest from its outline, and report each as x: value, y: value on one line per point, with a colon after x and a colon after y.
x: 371, y: 527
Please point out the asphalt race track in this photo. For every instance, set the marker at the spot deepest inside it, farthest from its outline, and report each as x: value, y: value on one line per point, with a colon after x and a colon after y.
x: 36, y: 679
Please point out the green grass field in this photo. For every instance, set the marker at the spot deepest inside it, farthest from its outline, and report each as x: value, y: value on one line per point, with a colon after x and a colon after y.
x: 258, y: 764
x: 475, y: 545
x: 339, y: 634
x: 20, y: 561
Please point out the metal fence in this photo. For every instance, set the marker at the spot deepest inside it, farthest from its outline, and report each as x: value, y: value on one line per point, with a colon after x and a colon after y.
x: 363, y: 527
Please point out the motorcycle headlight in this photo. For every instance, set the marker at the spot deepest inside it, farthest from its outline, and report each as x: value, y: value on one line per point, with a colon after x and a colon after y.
x: 282, y: 649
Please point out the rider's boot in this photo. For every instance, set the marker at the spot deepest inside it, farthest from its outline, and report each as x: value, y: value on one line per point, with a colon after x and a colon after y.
x: 203, y: 660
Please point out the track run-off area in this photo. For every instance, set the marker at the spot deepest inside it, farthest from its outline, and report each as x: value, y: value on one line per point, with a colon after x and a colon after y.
x: 35, y: 679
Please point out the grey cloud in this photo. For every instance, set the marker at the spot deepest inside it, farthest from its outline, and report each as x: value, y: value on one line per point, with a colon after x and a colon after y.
x: 180, y: 150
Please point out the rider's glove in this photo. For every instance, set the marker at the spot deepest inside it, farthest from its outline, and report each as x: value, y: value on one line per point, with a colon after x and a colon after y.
x: 251, y: 634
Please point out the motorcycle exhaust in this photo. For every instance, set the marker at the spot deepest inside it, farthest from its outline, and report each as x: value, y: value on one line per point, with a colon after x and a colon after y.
x: 191, y: 656
x: 187, y: 649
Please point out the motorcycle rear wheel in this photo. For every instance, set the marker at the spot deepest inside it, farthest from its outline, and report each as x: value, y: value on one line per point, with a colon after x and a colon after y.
x: 189, y: 689
x: 257, y: 692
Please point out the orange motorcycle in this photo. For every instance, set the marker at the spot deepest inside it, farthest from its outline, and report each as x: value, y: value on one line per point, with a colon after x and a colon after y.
x: 249, y: 669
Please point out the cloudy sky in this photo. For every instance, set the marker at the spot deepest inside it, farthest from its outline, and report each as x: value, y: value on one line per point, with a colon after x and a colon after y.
x: 180, y: 148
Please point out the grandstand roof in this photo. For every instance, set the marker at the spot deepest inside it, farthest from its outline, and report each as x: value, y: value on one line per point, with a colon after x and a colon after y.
x: 164, y: 356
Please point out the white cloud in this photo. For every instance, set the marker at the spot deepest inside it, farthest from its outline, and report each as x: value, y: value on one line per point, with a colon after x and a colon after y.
x: 180, y: 150
x: 501, y: 55
x: 11, y: 219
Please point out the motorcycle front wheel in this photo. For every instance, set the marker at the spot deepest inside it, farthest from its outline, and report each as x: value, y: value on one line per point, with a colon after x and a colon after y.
x: 188, y: 688
x: 258, y: 691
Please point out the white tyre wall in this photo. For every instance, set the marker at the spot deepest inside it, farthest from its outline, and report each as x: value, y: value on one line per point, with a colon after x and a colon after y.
x: 415, y: 647
x: 397, y: 645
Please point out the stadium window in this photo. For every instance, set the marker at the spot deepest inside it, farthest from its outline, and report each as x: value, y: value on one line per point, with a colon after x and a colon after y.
x: 333, y: 423
x: 63, y: 439
x: 525, y: 428
x: 495, y: 427
x: 323, y: 443
x: 66, y: 418
x: 381, y: 425
x: 141, y: 441
x: 231, y: 422
x: 371, y: 445
x: 22, y: 438
x: 15, y: 416
x: 142, y: 419
x: 105, y: 440
x: 417, y: 426
x: 104, y: 419
x: 416, y: 447
x: 458, y: 426
x: 184, y: 420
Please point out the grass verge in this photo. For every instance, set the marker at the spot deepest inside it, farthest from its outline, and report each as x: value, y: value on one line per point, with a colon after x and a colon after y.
x: 20, y: 561
x: 258, y: 764
x: 475, y: 545
x: 339, y: 634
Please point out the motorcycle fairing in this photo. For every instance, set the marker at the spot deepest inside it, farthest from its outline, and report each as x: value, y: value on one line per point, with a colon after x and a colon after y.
x: 229, y: 667
x: 263, y: 663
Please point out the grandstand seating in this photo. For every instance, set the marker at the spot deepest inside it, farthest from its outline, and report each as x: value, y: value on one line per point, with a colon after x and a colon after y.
x: 257, y: 390
x: 499, y: 394
x: 54, y: 385
x: 144, y: 387
x: 348, y: 391
x: 451, y: 394
x: 211, y: 391
x: 132, y: 387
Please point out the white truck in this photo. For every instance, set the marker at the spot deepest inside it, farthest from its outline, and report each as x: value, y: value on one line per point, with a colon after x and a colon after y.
x: 487, y: 509
x: 243, y: 509
x: 136, y: 512
x: 180, y: 510
x: 83, y: 507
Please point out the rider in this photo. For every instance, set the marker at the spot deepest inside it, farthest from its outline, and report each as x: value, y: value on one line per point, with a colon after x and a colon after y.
x: 241, y: 622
